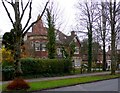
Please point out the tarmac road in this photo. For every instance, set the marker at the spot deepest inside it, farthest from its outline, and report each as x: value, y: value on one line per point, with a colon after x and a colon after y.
x: 106, y: 85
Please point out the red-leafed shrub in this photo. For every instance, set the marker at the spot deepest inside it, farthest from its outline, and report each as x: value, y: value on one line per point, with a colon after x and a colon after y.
x: 18, y: 84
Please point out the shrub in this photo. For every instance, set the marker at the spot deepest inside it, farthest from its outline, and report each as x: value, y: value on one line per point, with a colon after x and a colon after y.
x: 43, y: 67
x: 40, y: 67
x: 7, y: 55
x: 7, y: 73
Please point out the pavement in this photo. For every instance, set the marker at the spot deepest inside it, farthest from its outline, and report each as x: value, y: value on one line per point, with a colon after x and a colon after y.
x: 62, y: 77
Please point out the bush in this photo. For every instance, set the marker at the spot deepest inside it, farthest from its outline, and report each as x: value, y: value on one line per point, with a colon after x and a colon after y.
x: 6, y: 55
x: 45, y: 67
x: 38, y: 67
x: 7, y: 73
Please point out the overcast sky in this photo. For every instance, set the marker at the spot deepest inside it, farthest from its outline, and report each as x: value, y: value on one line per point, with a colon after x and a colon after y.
x: 67, y: 8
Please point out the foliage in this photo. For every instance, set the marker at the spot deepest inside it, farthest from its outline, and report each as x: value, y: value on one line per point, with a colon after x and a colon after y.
x: 24, y: 52
x: 96, y: 47
x: 42, y: 67
x: 7, y: 73
x: 7, y: 70
x: 68, y: 52
x: 18, y: 84
x: 9, y: 40
x: 72, y: 48
x: 51, y: 35
x: 7, y: 55
x: 65, y: 54
x: 45, y: 66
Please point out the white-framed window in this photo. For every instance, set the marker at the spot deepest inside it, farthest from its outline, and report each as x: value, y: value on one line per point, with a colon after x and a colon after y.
x: 43, y: 47
x: 76, y: 50
x: 59, y: 51
x: 75, y: 40
x: 37, y: 46
x: 32, y: 43
x: 57, y: 37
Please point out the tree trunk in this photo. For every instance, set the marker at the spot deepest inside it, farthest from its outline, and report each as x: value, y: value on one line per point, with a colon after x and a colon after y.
x: 113, y: 36
x: 113, y: 58
x: 89, y: 50
x: 104, y: 33
x: 17, y: 57
x: 104, y: 57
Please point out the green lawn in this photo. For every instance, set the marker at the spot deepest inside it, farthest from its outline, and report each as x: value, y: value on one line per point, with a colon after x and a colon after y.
x: 65, y: 82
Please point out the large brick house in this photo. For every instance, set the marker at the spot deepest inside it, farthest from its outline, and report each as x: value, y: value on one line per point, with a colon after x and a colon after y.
x: 64, y: 40
x: 37, y: 39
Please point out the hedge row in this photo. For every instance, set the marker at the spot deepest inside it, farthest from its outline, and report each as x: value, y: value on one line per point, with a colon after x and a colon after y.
x: 43, y: 67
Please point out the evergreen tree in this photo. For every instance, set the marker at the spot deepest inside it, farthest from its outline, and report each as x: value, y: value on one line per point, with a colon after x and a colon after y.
x: 51, y: 35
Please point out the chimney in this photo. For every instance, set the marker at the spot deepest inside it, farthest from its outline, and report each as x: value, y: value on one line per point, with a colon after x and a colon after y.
x: 73, y: 33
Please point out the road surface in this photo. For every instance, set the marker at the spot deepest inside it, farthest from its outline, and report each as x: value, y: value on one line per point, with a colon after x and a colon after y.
x: 106, y: 85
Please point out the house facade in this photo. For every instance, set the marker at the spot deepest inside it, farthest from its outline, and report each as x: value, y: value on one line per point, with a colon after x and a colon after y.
x: 37, y: 39
x: 64, y: 40
x: 97, y: 53
x: 108, y: 57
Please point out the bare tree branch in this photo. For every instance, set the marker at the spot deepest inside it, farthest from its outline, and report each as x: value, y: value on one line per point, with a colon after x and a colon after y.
x: 37, y: 19
x: 11, y: 3
x: 22, y: 4
x: 8, y: 12
x: 24, y: 9
x: 28, y: 18
x: 8, y: 2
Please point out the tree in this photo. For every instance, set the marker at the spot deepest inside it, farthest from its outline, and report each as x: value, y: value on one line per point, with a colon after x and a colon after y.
x: 101, y: 28
x: 109, y: 21
x: 103, y: 34
x: 53, y: 24
x: 19, y: 30
x: 8, y: 40
x: 112, y: 10
x: 68, y: 50
x: 51, y: 35
x: 88, y: 17
x: 114, y: 22
x: 96, y: 47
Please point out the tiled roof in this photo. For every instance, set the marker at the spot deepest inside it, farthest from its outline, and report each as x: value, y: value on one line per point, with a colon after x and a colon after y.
x: 39, y: 30
x: 64, y: 39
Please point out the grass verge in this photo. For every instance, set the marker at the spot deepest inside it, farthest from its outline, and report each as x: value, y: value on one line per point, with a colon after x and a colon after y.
x: 65, y: 82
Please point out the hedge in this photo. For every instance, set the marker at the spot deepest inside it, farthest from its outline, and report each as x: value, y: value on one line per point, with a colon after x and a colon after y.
x: 42, y: 67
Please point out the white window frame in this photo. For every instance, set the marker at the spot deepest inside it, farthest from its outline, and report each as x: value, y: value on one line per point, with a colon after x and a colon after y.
x: 37, y: 46
x: 59, y: 51
x: 43, y: 47
x: 76, y: 50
